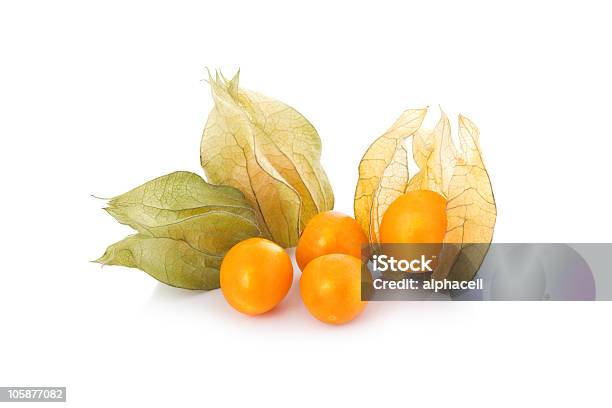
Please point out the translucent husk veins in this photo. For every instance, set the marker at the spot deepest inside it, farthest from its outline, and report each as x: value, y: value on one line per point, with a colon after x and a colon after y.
x: 458, y: 173
x: 271, y: 153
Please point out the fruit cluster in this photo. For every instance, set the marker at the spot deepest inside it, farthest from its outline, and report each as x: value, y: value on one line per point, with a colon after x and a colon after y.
x: 256, y: 274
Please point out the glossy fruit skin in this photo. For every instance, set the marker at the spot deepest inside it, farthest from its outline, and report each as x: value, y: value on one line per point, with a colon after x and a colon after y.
x: 255, y: 276
x: 331, y: 288
x: 415, y: 217
x: 329, y: 232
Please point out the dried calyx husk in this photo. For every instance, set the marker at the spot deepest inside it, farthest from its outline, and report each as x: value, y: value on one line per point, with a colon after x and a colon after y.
x: 263, y: 160
x: 184, y: 228
x: 457, y: 173
x: 271, y: 153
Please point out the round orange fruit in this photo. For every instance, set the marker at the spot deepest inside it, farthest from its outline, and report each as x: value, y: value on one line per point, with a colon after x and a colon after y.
x: 331, y: 288
x: 329, y: 232
x: 415, y: 217
x: 255, y: 276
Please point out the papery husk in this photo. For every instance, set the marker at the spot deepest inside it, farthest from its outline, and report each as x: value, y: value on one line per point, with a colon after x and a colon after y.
x: 271, y: 153
x: 457, y: 173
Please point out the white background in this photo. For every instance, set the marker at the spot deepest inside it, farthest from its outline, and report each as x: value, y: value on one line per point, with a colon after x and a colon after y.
x: 96, y: 98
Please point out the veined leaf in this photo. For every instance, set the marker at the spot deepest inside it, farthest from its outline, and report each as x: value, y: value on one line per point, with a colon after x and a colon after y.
x: 383, y: 172
x: 174, y: 197
x: 271, y: 153
x: 170, y: 261
x: 185, y: 228
x: 144, y: 218
x: 213, y: 232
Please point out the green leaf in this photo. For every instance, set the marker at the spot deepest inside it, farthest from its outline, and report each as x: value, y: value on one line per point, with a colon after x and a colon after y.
x: 174, y: 197
x: 170, y: 261
x: 185, y: 228
x: 213, y: 232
